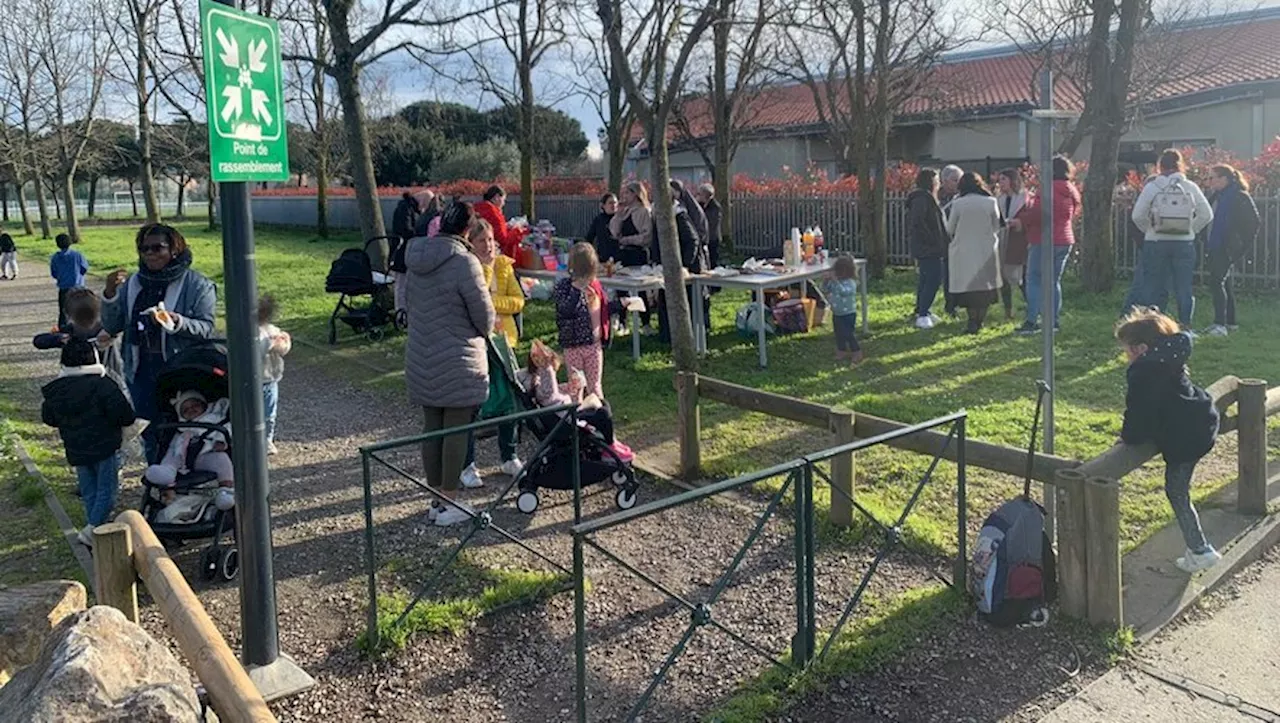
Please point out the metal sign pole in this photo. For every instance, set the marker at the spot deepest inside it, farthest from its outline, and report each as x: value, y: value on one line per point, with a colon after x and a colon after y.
x: 1048, y: 282
x: 237, y: 44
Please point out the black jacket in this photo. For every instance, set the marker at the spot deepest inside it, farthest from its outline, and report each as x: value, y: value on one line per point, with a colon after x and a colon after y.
x: 53, y: 340
x: 402, y: 220
x: 89, y: 411
x: 598, y: 235
x: 1163, y: 407
x: 926, y: 228
x: 7, y: 246
x: 692, y: 251
x: 712, y: 210
x: 1242, y: 221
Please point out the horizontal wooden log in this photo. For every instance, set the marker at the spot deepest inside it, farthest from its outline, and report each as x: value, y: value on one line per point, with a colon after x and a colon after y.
x: 755, y: 400
x: 235, y: 698
x: 994, y: 457
x: 1225, y: 391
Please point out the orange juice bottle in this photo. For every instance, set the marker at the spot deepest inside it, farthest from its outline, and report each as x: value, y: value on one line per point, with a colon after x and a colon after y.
x: 807, y: 240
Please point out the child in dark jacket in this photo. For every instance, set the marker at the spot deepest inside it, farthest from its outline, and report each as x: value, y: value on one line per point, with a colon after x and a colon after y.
x: 90, y: 412
x: 8, y: 257
x: 1163, y: 408
x: 84, y: 322
x: 582, y: 316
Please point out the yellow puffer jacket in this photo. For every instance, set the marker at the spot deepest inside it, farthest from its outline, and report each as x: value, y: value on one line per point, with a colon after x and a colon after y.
x: 508, y: 297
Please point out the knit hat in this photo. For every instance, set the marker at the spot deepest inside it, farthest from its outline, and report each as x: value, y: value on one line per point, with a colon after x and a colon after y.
x: 184, y: 397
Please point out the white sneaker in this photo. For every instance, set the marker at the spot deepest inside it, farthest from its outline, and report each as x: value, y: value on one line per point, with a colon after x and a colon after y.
x: 86, y: 536
x: 1216, y: 330
x: 271, y: 448
x: 935, y: 318
x: 471, y: 478
x: 451, y: 516
x: 925, y: 322
x: 511, y: 467
x: 1194, y: 562
x: 1192, y: 334
x: 433, y: 512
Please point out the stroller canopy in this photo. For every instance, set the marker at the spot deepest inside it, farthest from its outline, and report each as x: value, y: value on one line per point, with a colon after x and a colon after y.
x: 350, y: 273
x: 202, y: 368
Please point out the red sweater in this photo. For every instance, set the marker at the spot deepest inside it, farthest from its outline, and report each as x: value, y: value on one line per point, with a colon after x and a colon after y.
x: 1066, y: 206
x: 508, y: 238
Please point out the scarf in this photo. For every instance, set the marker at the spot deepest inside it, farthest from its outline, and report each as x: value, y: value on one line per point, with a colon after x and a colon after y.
x: 152, y: 286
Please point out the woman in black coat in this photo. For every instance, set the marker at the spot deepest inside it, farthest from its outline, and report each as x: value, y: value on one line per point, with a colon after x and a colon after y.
x: 599, y: 235
x: 928, y: 235
x: 1235, y: 225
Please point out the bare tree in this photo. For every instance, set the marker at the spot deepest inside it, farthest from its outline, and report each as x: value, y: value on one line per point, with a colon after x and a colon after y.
x: 862, y: 63
x: 526, y: 30
x: 23, y: 80
x: 309, y: 36
x: 133, y: 39
x: 674, y: 30
x: 73, y: 58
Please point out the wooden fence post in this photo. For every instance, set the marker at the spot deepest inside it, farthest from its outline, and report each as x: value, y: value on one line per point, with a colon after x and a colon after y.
x: 114, y: 580
x: 1251, y: 432
x: 689, y: 426
x: 1073, y: 584
x: 842, y: 470
x: 1102, y: 552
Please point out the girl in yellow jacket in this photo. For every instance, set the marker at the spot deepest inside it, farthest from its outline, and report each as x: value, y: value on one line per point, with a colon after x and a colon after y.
x: 500, y: 277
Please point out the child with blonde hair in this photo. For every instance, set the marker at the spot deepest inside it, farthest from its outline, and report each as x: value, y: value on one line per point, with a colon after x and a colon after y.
x: 1163, y: 408
x: 582, y: 316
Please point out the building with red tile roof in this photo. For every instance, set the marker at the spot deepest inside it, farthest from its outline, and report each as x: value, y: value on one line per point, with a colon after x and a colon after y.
x: 1212, y: 82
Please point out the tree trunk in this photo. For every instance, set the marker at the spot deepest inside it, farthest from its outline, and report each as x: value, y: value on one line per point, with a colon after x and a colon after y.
x: 211, y: 202
x: 133, y: 198
x: 878, y: 246
x: 617, y: 133
x: 723, y: 152
x: 182, y: 196
x: 146, y: 169
x: 4, y: 202
x: 69, y: 196
x: 42, y: 205
x: 322, y: 194
x: 527, y: 205
x: 347, y: 76
x: 93, y: 196
x: 27, y: 226
x: 683, y: 354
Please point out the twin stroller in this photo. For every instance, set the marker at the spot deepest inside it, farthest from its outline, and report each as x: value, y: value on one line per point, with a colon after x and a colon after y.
x: 552, y: 466
x: 209, y: 509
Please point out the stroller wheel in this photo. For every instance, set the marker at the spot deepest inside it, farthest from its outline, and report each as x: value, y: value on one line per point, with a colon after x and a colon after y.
x: 209, y: 562
x: 527, y: 502
x: 402, y: 320
x: 625, y: 498
x: 621, y: 478
x: 229, y: 563
x: 375, y: 333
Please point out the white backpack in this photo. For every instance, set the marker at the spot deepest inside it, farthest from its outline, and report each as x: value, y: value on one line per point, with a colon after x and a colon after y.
x: 1173, y: 209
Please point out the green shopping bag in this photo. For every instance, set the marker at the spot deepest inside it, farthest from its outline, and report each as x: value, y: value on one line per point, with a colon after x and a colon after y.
x: 502, y: 372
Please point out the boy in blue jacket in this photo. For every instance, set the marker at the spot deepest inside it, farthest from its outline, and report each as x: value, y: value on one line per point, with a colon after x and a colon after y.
x: 1163, y: 408
x: 68, y: 267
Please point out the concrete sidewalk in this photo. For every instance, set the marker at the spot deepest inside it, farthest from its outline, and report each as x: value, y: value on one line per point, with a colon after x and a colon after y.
x: 1221, y: 663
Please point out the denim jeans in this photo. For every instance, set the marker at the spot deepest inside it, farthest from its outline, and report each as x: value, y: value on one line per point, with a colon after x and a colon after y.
x: 1177, y: 487
x: 98, y: 483
x: 928, y: 283
x: 508, y: 439
x: 845, y: 326
x: 142, y: 390
x: 1135, y: 294
x: 1220, y: 283
x: 1166, y: 263
x: 1035, y: 281
x: 270, y: 402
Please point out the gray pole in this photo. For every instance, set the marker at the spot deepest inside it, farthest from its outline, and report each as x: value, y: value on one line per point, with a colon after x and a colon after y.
x: 1048, y: 280
x: 249, y: 453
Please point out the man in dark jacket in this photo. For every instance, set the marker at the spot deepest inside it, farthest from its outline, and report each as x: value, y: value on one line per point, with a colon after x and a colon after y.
x: 1163, y: 408
x: 90, y: 411
x: 927, y: 233
x: 691, y: 229
x: 711, y: 208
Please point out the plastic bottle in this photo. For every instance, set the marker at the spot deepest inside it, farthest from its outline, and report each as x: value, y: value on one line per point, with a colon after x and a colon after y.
x: 792, y: 257
x: 818, y: 241
x: 808, y: 247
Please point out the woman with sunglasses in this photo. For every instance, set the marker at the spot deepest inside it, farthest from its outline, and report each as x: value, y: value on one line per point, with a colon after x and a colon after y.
x: 152, y: 335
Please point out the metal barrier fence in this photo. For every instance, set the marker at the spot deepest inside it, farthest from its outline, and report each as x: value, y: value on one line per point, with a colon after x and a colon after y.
x: 480, y: 520
x: 800, y: 476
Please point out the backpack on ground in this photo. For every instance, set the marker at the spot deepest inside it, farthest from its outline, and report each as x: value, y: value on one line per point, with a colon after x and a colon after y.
x: 748, y: 320
x: 1013, y: 572
x: 1173, y: 208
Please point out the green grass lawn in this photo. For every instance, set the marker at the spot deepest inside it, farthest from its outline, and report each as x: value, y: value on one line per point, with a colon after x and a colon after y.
x: 909, y: 376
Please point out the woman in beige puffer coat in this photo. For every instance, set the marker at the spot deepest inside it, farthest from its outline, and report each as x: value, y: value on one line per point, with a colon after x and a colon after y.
x: 446, y: 364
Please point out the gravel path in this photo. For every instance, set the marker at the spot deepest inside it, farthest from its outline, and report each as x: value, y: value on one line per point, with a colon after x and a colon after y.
x: 517, y: 664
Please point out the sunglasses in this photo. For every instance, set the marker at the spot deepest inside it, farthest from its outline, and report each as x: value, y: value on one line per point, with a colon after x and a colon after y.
x: 153, y: 248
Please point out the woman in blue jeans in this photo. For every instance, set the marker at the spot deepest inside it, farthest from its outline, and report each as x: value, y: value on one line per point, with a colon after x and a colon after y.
x: 1169, y: 235
x: 928, y: 235
x: 1066, y: 205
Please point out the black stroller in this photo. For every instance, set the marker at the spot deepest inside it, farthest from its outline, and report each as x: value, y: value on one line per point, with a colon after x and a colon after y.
x: 202, y: 369
x: 552, y: 468
x: 352, y: 274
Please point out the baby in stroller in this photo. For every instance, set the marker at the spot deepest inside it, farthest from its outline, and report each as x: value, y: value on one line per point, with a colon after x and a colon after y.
x: 212, y: 457
x: 548, y: 392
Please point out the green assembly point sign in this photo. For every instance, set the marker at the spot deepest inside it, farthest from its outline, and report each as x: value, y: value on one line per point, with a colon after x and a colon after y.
x: 244, y: 92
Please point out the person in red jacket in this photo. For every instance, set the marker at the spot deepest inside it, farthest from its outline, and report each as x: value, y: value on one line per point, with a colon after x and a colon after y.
x: 490, y: 209
x: 1066, y: 206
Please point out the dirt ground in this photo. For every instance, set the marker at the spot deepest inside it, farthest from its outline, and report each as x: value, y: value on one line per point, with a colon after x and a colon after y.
x: 518, y: 664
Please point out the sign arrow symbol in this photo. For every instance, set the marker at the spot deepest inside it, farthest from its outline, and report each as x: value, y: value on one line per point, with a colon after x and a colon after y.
x: 234, y: 105
x: 256, y: 52
x: 259, y: 101
x: 230, y: 49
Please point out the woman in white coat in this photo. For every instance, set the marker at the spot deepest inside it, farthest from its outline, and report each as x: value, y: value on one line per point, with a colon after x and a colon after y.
x: 1013, y: 241
x: 973, y: 257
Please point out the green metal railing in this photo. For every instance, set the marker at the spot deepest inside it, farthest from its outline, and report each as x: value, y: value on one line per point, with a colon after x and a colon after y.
x: 481, y: 520
x: 800, y: 475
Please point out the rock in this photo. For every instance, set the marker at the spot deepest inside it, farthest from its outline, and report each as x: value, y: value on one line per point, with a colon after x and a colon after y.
x: 28, y: 614
x: 97, y: 666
